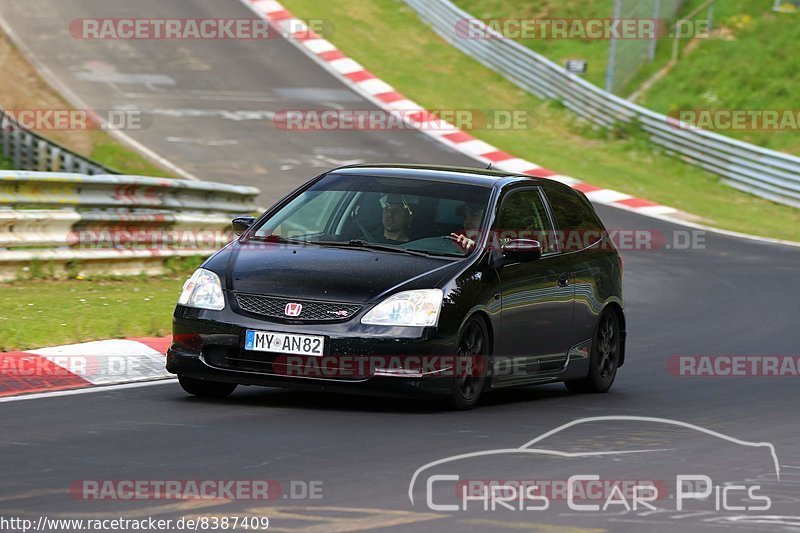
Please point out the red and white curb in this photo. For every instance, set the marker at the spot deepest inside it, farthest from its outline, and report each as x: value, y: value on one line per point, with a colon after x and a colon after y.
x: 81, y: 366
x: 387, y: 98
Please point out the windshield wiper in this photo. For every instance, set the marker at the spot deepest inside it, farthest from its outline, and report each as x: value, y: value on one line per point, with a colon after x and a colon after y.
x: 277, y: 239
x: 366, y: 245
x: 282, y: 240
x: 362, y: 244
x: 439, y: 254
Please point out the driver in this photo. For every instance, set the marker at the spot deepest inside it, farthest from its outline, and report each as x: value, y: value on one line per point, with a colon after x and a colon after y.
x: 397, y: 218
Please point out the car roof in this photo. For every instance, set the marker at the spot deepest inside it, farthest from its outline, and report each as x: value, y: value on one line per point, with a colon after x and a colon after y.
x: 465, y: 175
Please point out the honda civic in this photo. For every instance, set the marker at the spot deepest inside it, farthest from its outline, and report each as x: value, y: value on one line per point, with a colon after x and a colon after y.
x: 417, y: 281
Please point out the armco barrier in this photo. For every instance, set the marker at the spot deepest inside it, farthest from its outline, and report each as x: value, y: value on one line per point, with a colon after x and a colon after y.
x: 30, y: 151
x: 19, y: 189
x: 44, y: 218
x: 767, y: 173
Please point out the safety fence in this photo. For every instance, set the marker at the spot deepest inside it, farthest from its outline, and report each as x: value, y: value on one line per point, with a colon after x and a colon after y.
x: 30, y: 151
x: 628, y: 56
x: 767, y: 173
x: 111, y: 224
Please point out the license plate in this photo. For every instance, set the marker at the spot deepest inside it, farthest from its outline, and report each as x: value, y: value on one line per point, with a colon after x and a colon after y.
x: 268, y: 341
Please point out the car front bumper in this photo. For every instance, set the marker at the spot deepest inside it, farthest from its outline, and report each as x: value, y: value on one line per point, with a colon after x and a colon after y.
x: 358, y: 359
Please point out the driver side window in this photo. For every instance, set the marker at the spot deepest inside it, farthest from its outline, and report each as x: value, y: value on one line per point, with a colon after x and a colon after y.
x: 307, y: 215
x: 523, y: 216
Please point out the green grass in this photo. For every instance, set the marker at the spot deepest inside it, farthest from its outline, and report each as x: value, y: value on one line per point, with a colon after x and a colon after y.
x: 595, y: 52
x: 115, y: 156
x: 388, y: 38
x: 37, y: 314
x: 37, y: 311
x: 747, y: 62
x: 750, y: 63
x: 109, y: 153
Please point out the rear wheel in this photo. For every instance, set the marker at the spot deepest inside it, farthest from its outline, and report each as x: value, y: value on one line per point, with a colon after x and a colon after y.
x: 472, y: 365
x: 206, y: 389
x: 604, y: 360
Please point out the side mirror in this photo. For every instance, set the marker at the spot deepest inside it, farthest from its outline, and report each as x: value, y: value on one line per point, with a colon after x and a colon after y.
x: 522, y: 250
x: 241, y: 224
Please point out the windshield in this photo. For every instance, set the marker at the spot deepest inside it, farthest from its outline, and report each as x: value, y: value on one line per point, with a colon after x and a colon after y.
x: 406, y: 214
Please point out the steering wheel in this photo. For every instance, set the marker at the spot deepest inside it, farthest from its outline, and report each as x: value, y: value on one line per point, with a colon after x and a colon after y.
x: 367, y: 233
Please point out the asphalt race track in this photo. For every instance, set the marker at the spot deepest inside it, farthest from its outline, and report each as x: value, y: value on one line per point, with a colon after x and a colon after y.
x: 727, y: 297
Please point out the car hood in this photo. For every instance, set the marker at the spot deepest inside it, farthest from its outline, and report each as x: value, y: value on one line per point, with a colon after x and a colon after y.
x: 324, y: 273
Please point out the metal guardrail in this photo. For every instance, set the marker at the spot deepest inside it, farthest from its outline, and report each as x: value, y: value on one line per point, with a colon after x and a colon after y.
x: 30, y: 151
x: 111, y: 223
x: 20, y: 188
x: 766, y: 173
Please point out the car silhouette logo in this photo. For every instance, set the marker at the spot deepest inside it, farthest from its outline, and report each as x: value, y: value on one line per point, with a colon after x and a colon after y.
x: 293, y: 309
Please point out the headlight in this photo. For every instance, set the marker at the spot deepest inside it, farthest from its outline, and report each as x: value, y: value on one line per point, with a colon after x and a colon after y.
x: 410, y: 308
x: 203, y: 291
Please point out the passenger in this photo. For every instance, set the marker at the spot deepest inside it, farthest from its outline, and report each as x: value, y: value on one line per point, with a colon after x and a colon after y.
x: 473, y: 216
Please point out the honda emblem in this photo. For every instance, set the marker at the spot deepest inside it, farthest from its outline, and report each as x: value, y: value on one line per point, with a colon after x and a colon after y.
x: 293, y: 309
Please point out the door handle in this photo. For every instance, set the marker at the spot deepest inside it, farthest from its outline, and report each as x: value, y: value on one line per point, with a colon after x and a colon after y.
x: 563, y: 281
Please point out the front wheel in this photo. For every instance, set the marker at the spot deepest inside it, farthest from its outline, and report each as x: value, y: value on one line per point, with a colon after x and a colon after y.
x: 206, y: 389
x: 604, y: 359
x: 471, y: 366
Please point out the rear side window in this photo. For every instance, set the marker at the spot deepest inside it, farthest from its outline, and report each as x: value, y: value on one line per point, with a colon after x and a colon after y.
x: 578, y: 224
x: 523, y: 216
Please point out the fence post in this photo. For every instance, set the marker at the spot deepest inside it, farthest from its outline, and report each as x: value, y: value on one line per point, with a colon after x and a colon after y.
x: 17, y: 142
x: 42, y: 155
x: 654, y: 40
x: 55, y: 159
x: 68, y: 162
x: 29, y: 153
x: 7, y: 129
x: 612, y: 54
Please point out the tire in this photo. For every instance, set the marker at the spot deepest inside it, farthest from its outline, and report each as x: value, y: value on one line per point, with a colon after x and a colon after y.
x: 206, y: 389
x: 471, y: 373
x: 604, y: 359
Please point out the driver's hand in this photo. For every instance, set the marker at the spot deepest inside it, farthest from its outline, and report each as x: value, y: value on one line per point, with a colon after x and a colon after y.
x: 462, y: 240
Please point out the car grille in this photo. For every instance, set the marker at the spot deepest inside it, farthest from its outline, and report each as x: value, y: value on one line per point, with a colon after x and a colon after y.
x: 270, y: 306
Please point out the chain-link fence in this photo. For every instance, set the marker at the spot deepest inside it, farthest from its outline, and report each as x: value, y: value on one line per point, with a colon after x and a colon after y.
x: 787, y: 6
x: 628, y: 55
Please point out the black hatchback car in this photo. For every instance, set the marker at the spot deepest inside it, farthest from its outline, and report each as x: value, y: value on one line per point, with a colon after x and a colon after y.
x: 431, y: 282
